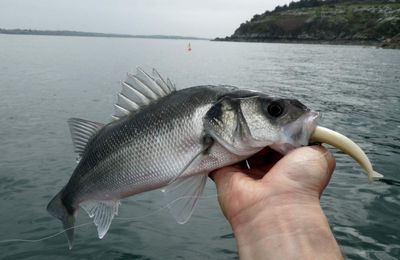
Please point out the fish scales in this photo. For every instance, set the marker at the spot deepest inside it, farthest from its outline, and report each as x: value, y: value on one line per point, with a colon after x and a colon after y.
x: 171, y: 139
x: 145, y: 149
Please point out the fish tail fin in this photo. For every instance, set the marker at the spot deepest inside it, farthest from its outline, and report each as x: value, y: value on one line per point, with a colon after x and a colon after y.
x: 57, y: 209
x: 377, y: 175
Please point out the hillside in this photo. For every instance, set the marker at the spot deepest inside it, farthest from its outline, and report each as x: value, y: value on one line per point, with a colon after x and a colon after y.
x: 330, y: 21
x: 93, y: 34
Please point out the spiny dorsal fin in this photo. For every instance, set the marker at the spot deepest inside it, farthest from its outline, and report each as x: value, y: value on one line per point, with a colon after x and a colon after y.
x: 139, y: 90
x: 81, y: 132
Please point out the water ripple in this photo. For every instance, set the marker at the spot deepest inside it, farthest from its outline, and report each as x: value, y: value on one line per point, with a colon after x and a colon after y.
x: 356, y: 89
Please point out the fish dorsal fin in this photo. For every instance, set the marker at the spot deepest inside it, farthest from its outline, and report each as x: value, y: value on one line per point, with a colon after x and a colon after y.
x: 183, y: 194
x: 167, y: 86
x: 81, y: 132
x: 102, y: 212
x: 140, y: 90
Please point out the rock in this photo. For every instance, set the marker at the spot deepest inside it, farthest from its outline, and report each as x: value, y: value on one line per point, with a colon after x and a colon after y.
x: 345, y: 22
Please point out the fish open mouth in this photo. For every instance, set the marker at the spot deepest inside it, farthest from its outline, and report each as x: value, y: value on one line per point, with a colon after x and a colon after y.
x: 304, y: 131
x: 297, y: 133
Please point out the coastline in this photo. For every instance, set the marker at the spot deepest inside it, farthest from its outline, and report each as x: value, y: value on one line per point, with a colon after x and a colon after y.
x: 386, y: 44
x: 325, y: 22
x: 93, y: 34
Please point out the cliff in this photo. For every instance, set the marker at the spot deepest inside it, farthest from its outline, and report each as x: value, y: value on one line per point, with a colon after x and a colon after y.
x: 330, y: 21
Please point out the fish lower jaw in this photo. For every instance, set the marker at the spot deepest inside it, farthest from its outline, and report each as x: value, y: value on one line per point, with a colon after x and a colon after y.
x: 297, y: 133
x: 292, y: 140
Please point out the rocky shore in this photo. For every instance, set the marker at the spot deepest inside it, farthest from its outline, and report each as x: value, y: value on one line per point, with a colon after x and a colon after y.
x: 346, y: 22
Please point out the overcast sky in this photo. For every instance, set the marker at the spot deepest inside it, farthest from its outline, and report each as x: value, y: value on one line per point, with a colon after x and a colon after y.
x: 202, y: 18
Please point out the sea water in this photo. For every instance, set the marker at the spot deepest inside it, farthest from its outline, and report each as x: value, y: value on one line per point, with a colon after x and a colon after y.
x: 44, y: 80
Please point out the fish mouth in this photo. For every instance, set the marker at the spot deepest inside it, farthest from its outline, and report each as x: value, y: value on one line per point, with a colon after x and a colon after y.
x: 297, y: 133
x: 304, y: 131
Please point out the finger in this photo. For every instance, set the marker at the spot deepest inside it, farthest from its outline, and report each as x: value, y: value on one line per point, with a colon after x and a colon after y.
x: 312, y: 165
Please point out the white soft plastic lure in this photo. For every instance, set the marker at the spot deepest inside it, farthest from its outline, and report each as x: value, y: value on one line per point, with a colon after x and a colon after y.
x: 343, y: 143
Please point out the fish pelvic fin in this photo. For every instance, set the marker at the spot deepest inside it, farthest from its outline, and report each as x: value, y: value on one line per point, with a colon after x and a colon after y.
x: 57, y: 209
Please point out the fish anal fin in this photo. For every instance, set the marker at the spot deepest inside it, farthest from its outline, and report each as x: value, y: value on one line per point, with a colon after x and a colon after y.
x: 182, y: 196
x: 102, y: 212
x: 81, y: 132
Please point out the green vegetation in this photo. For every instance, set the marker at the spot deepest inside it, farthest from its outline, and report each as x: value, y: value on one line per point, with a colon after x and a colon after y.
x: 332, y: 21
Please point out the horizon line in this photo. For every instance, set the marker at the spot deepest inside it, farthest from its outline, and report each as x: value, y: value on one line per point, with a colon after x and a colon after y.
x: 94, y: 34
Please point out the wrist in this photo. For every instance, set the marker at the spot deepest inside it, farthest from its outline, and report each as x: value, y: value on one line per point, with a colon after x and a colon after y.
x: 296, y: 226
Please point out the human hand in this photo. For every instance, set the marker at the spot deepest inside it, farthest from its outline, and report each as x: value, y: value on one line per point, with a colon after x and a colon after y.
x: 275, y: 204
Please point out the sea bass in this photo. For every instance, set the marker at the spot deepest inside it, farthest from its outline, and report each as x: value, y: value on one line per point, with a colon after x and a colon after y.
x: 164, y: 138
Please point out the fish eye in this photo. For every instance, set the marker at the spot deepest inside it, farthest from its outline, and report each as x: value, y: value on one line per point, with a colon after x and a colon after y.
x: 275, y: 109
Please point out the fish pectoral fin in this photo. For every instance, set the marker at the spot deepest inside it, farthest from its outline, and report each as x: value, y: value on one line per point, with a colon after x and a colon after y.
x: 81, y: 132
x: 182, y: 196
x: 102, y: 212
x: 182, y: 193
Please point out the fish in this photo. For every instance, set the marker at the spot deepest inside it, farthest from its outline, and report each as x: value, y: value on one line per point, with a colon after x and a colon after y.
x: 169, y: 139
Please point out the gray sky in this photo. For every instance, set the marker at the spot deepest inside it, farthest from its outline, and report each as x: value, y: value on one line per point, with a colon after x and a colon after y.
x: 203, y: 18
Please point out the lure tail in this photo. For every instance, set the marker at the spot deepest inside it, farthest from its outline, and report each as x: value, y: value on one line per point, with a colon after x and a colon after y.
x: 343, y: 143
x: 57, y: 208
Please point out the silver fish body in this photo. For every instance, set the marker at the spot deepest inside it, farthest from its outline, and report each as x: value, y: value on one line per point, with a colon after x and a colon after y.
x: 174, y: 141
x: 143, y: 151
